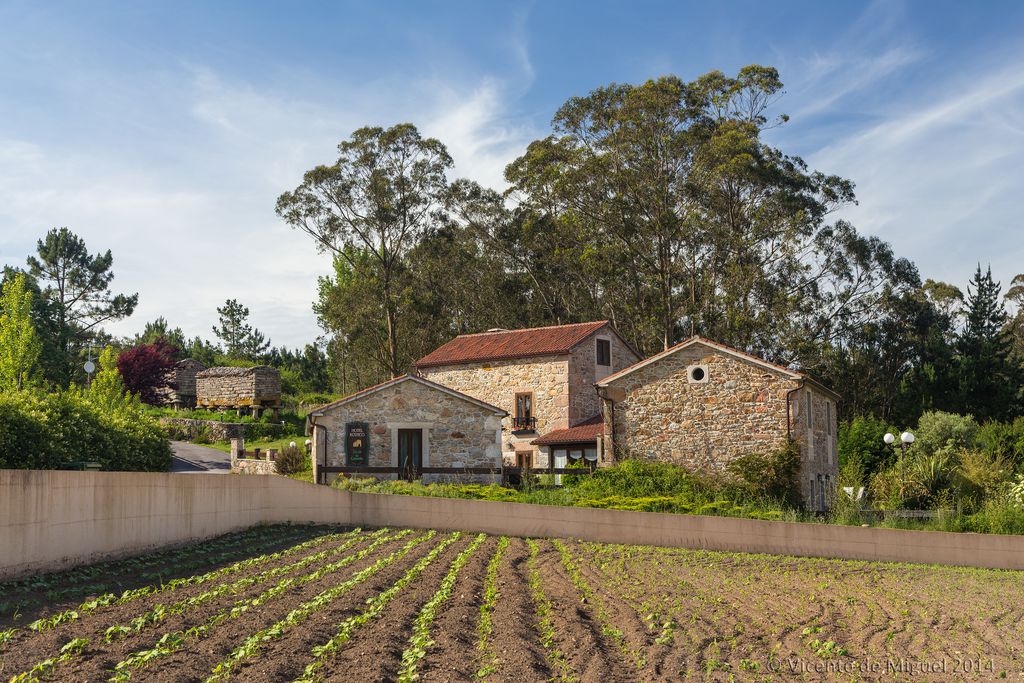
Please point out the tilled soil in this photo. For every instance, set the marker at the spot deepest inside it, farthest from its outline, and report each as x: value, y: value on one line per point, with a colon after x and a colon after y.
x: 66, y: 590
x: 652, y: 614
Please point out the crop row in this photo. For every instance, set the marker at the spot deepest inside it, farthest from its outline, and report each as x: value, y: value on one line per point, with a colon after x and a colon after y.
x: 110, y: 599
x: 172, y: 642
x: 57, y: 584
x: 251, y: 646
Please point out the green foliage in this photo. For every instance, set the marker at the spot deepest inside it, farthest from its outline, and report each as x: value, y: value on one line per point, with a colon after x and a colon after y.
x: 75, y: 288
x: 292, y: 460
x: 1003, y: 439
x: 241, y: 340
x: 771, y: 475
x: 982, y: 474
x: 49, y: 431
x: 861, y: 444
x: 19, y: 344
x: 938, y: 431
x: 107, y: 389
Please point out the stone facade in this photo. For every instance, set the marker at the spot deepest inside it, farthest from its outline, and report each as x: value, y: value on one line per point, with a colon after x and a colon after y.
x: 657, y: 412
x: 257, y: 387
x: 178, y: 388
x: 456, y: 431
x: 562, y: 387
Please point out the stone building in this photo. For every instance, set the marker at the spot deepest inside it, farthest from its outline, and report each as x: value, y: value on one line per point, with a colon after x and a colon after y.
x: 407, y: 421
x: 542, y: 377
x: 256, y: 389
x: 701, y: 404
x: 178, y: 388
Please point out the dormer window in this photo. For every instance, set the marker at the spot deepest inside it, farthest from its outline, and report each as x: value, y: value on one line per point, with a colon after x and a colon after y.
x: 604, y: 352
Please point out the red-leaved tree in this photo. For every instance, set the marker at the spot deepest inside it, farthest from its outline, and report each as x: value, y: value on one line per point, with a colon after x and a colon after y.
x: 144, y: 367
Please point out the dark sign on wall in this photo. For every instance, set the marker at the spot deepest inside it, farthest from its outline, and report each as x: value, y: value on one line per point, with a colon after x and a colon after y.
x: 357, y: 443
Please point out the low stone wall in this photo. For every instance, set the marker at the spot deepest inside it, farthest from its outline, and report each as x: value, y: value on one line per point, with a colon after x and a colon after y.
x: 252, y: 462
x: 217, y: 431
x: 56, y: 519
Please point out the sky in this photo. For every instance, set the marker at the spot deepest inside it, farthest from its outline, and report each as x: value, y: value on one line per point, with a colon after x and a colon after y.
x: 165, y: 131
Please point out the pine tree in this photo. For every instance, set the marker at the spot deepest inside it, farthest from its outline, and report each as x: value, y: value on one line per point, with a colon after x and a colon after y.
x: 239, y: 338
x: 986, y: 376
x: 19, y: 345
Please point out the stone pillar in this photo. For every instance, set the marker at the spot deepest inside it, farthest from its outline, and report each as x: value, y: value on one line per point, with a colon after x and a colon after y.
x: 237, y: 451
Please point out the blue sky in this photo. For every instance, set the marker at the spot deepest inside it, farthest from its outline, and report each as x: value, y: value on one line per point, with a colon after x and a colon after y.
x: 165, y: 131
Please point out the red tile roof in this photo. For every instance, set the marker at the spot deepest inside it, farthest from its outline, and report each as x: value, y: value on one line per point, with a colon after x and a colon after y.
x: 584, y: 432
x: 509, y: 344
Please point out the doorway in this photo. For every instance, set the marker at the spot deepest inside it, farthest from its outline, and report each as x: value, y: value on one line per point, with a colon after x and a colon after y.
x: 410, y: 452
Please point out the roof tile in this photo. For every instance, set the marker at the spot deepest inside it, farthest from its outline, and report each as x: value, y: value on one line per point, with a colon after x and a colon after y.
x: 509, y: 344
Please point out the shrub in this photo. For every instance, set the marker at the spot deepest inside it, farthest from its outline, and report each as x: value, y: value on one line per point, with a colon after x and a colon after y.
x: 772, y: 475
x: 291, y: 460
x: 143, y: 368
x: 1016, y: 492
x: 49, y: 431
x: 983, y: 474
x: 861, y: 442
x: 937, y: 430
x: 1004, y: 439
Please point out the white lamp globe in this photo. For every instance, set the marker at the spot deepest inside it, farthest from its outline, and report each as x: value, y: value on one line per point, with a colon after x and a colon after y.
x: 292, y: 444
x: 907, y: 438
x: 889, y: 439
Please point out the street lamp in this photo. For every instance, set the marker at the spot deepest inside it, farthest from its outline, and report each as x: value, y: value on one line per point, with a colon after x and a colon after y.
x: 906, y: 438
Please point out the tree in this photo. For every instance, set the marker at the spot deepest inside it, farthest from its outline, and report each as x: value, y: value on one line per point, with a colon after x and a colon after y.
x: 240, y: 339
x: 696, y: 225
x: 77, y: 285
x: 987, y: 376
x: 378, y: 197
x: 19, y: 345
x: 161, y: 329
x: 107, y: 388
x: 143, y: 368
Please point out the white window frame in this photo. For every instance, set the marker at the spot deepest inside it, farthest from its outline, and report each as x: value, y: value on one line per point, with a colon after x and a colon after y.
x: 697, y: 366
x: 424, y: 427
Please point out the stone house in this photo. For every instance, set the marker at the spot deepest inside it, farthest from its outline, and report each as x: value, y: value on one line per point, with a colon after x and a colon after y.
x: 701, y: 404
x: 256, y: 388
x: 543, y: 378
x: 408, y: 421
x: 178, y: 386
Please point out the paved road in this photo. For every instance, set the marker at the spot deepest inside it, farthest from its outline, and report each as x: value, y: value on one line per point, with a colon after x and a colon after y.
x: 190, y: 458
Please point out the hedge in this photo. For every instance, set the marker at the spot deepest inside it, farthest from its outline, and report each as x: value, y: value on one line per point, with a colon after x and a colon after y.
x: 50, y: 431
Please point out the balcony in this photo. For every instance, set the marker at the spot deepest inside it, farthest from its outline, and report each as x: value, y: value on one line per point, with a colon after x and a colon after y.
x: 524, y: 424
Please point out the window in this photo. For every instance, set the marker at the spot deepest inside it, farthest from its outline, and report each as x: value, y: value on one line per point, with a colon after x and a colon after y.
x: 523, y: 419
x: 524, y: 405
x: 697, y: 374
x: 604, y: 352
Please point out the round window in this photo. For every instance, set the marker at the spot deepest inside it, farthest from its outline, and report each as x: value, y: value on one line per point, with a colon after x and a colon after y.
x: 697, y: 374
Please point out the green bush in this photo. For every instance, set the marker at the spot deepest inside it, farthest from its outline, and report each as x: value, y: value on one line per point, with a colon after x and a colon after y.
x: 50, y: 431
x: 938, y: 431
x: 1003, y: 439
x: 771, y: 475
x: 291, y: 460
x: 861, y: 445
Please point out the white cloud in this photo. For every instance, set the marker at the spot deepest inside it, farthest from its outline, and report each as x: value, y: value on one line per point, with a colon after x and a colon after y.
x: 197, y: 225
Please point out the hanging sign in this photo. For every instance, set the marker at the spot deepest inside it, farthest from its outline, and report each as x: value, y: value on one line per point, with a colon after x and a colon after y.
x: 357, y: 443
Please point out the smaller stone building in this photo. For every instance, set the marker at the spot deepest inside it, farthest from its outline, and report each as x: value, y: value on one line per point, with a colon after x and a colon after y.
x: 178, y: 388
x: 701, y: 405
x: 407, y: 422
x: 256, y: 389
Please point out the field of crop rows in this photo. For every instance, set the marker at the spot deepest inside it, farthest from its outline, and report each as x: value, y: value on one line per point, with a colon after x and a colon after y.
x: 312, y: 603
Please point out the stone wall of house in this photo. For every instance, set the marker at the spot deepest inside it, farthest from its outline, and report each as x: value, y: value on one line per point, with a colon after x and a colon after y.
x: 740, y: 409
x: 584, y: 371
x: 457, y: 432
x: 498, y: 382
x: 238, y: 387
x: 818, y: 440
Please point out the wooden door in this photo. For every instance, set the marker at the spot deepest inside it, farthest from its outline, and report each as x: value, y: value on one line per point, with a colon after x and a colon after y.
x: 410, y: 451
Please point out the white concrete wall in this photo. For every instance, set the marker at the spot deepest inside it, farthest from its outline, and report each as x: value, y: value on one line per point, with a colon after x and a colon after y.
x: 51, y: 520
